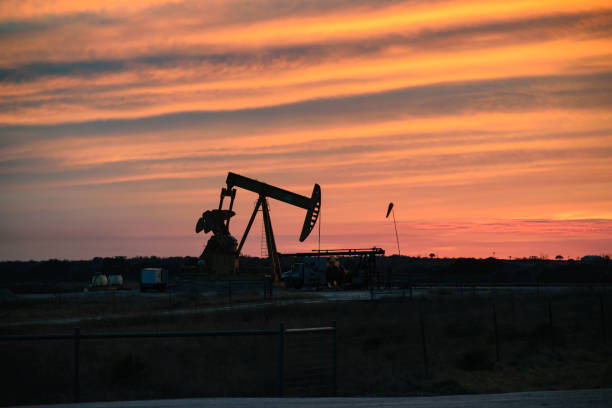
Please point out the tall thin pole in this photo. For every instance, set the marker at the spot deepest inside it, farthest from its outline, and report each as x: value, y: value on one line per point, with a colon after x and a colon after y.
x: 396, y: 236
x: 423, y: 342
x: 335, y: 357
x: 281, y: 361
x: 496, y: 334
x: 319, y: 230
x: 77, y: 385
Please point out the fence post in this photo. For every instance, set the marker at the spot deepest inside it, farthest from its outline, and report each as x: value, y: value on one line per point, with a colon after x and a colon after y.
x: 550, y: 325
x: 229, y: 291
x: 389, y: 278
x: 335, y: 358
x: 281, y: 361
x: 77, y: 333
x: 371, y: 290
x: 496, y: 333
x: 603, y: 319
x: 410, y: 291
x: 267, y: 284
x: 425, y: 360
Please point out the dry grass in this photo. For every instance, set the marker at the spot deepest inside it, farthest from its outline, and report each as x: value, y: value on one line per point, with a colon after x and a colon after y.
x: 114, y: 304
x: 379, y: 351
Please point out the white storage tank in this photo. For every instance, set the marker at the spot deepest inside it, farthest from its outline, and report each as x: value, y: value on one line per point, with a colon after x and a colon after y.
x: 98, y: 281
x: 115, y: 280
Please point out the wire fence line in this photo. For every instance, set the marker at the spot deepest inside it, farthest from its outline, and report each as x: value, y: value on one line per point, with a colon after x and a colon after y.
x: 311, y: 363
x: 431, y: 334
x: 466, y: 331
x: 495, y: 327
x: 290, y: 341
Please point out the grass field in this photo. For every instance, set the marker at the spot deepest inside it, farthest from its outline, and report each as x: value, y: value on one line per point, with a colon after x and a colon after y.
x: 380, y: 350
x: 116, y: 304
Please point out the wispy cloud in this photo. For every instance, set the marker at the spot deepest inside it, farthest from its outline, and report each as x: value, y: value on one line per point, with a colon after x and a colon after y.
x: 485, y: 123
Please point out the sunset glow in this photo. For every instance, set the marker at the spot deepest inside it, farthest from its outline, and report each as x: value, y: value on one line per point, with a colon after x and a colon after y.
x: 488, y: 124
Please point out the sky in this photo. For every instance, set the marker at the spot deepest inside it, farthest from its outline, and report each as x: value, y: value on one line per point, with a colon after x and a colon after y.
x: 487, y: 124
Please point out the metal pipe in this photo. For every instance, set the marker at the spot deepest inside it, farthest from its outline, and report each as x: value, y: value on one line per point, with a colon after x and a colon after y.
x: 141, y: 335
x: 77, y: 385
x: 396, y: 236
x: 335, y: 357
x: 248, y: 228
x: 281, y: 361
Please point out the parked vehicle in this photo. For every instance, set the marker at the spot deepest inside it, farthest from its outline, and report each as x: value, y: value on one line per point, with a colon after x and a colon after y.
x: 153, y: 279
x: 310, y: 273
x: 115, y: 281
x: 328, y: 268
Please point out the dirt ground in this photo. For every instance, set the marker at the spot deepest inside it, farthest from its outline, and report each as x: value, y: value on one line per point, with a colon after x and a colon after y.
x: 438, y: 344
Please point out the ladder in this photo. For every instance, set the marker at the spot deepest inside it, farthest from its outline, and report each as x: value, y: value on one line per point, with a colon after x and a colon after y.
x: 263, y: 246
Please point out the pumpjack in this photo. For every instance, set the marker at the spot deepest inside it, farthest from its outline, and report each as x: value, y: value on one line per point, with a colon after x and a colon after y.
x: 221, y: 245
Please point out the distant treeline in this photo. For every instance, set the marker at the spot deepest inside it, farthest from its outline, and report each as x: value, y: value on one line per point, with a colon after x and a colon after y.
x: 56, y: 269
x: 532, y: 270
x: 53, y: 272
x: 394, y: 268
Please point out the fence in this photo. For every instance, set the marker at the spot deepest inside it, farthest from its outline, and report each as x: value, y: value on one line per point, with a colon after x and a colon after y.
x: 193, y: 297
x: 229, y: 288
x: 290, y: 342
x: 473, y: 332
x: 404, y: 346
x: 395, y: 288
x: 311, y: 362
x: 388, y: 346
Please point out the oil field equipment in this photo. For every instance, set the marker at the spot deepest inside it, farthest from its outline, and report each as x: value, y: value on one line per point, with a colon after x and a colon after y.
x: 323, y: 267
x: 98, y: 281
x: 153, y: 279
x: 222, y: 250
x: 115, y: 281
x: 101, y: 281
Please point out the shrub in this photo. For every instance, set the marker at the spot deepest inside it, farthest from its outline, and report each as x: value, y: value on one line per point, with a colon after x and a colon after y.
x: 474, y: 360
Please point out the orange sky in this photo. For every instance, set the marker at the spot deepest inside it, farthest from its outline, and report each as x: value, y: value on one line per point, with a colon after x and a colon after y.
x: 489, y: 125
